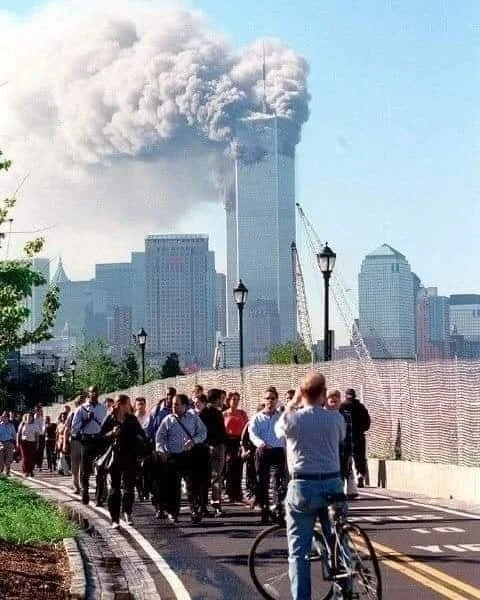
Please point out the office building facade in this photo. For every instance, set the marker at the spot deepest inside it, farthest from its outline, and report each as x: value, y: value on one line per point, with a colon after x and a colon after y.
x: 433, y: 325
x: 387, y: 304
x: 221, y: 304
x: 180, y: 298
x: 464, y: 314
x: 260, y: 219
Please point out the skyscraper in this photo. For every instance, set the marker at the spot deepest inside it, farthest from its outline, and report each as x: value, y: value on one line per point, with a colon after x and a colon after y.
x: 387, y: 304
x: 260, y: 218
x: 180, y: 298
x: 433, y: 325
x: 35, y: 302
x: 221, y: 303
x: 465, y: 325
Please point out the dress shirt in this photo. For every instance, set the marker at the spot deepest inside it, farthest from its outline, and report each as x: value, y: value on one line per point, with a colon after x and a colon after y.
x: 157, y: 414
x: 143, y: 420
x: 39, y: 423
x: 88, y: 419
x: 262, y: 430
x: 313, y: 436
x: 7, y: 432
x: 28, y: 432
x: 171, y: 437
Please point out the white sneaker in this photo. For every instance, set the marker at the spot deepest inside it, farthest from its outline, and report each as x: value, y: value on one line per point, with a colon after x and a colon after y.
x: 115, y: 525
x: 128, y: 519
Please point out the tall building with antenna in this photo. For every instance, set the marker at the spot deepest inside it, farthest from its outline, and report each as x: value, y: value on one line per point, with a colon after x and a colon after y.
x: 260, y: 217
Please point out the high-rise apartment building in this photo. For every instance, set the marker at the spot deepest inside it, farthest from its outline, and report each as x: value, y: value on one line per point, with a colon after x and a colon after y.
x: 387, y: 304
x: 465, y: 325
x: 221, y: 303
x: 260, y: 218
x: 433, y: 325
x: 180, y: 298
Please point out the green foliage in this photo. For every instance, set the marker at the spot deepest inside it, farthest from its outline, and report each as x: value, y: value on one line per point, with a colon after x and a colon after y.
x: 25, y: 518
x: 130, y: 370
x: 171, y: 367
x: 288, y: 353
x: 17, y: 280
x: 97, y: 367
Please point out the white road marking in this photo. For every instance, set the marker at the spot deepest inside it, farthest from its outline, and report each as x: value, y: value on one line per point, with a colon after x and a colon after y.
x: 398, y: 518
x: 438, y: 530
x: 386, y: 507
x: 449, y: 511
x: 180, y: 591
x: 439, y: 549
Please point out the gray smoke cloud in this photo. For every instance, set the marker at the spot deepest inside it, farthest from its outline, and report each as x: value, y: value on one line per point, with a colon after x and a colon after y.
x: 132, y: 105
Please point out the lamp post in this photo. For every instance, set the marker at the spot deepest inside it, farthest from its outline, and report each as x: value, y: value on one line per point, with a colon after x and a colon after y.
x: 142, y: 342
x: 73, y: 368
x: 326, y: 261
x: 61, y: 377
x: 240, y: 294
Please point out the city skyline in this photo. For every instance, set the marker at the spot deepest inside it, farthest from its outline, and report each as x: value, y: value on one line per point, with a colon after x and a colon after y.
x: 379, y: 159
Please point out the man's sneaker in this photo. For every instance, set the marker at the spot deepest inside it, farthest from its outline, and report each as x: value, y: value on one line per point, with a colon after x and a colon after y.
x: 172, y: 518
x: 85, y: 498
x: 160, y: 514
x: 217, y: 512
x: 128, y: 519
x: 77, y: 491
x: 361, y: 482
x: 115, y: 525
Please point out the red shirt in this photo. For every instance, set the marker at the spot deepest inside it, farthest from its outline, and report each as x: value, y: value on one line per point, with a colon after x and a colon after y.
x: 234, y: 423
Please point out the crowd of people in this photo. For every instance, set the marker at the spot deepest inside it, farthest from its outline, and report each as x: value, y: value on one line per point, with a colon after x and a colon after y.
x: 203, y: 443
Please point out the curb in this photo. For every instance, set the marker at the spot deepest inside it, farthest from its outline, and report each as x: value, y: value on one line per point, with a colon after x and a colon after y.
x: 78, y: 580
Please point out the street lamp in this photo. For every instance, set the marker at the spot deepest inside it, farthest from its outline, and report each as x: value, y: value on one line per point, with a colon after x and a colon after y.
x: 326, y: 261
x: 61, y: 377
x: 73, y: 368
x: 240, y: 294
x: 142, y: 342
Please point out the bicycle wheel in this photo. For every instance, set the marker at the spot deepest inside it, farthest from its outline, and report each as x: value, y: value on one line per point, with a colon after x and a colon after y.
x: 268, y: 566
x: 358, y: 571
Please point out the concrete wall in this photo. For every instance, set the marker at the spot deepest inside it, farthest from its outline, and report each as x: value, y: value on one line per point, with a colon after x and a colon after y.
x: 430, y: 479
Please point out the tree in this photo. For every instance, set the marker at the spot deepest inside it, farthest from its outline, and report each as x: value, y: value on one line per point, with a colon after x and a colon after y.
x: 17, y: 280
x: 288, y: 353
x: 171, y: 367
x: 97, y: 367
x: 130, y: 370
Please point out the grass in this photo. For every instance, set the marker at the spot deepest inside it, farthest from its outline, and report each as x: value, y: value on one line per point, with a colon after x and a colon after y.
x: 26, y: 518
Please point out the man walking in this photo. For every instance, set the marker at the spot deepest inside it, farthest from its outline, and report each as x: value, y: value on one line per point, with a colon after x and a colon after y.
x: 86, y: 425
x: 176, y: 441
x: 312, y: 436
x: 7, y: 443
x: 269, y: 456
x: 358, y: 423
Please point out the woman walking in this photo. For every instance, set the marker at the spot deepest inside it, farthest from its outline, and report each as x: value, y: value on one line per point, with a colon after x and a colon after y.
x: 122, y: 429
x: 27, y: 440
x: 50, y: 443
x: 235, y: 420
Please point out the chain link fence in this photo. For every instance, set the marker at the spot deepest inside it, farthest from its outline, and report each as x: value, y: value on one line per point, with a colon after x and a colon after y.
x: 427, y: 412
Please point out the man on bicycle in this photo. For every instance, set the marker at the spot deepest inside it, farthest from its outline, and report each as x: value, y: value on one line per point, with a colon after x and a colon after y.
x: 313, y: 436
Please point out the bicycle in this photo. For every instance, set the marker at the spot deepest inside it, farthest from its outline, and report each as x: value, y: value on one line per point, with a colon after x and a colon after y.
x: 347, y: 565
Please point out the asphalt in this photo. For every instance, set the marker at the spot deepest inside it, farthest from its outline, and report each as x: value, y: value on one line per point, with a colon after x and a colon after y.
x: 427, y: 551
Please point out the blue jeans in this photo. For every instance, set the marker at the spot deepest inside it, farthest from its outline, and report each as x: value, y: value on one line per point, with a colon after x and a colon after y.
x: 304, y: 501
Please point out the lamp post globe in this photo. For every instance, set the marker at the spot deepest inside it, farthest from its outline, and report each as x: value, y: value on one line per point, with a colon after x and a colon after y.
x: 73, y: 368
x: 326, y: 261
x: 240, y: 295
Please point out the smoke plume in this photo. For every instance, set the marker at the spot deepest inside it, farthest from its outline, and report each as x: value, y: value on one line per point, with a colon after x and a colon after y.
x: 130, y: 110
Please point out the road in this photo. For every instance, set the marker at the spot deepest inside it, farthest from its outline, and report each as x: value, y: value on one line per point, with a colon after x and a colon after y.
x: 427, y: 552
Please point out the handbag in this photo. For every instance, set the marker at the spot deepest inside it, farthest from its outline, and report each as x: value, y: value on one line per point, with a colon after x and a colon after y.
x: 105, y: 461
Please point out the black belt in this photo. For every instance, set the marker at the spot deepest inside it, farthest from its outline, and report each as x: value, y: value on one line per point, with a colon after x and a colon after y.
x: 316, y: 476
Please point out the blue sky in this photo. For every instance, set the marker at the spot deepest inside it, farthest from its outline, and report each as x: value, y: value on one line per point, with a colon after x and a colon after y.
x: 391, y: 150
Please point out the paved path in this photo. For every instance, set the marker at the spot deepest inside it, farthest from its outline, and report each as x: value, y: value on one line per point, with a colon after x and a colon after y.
x: 428, y: 552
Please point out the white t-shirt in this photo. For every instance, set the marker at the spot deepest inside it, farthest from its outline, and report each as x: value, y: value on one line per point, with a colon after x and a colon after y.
x: 28, y: 432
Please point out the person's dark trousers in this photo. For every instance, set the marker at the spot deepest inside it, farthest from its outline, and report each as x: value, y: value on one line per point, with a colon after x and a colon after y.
x: 122, y: 488
x: 40, y: 451
x: 233, y: 469
x: 359, y: 455
x: 51, y: 454
x: 28, y: 456
x: 199, y: 476
x: 178, y: 466
x: 91, y: 449
x: 251, y: 477
x: 158, y: 482
x: 270, y: 461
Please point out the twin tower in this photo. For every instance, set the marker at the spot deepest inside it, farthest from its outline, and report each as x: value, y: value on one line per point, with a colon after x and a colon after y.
x: 260, y: 218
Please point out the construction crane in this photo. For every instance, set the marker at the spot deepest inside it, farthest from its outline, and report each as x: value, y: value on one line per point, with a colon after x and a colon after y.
x: 346, y: 310
x: 301, y: 302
